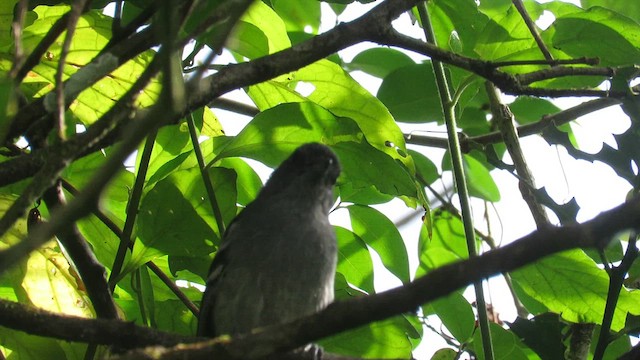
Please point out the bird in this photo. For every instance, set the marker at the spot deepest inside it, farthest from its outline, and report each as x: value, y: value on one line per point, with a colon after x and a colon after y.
x: 277, y: 259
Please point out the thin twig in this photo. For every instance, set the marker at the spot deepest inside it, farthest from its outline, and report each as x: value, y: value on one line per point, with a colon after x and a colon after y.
x: 503, y: 118
x: 126, y: 242
x: 554, y: 62
x: 77, y: 8
x: 533, y: 29
x: 17, y: 27
x: 459, y: 178
x: 204, y: 173
x: 616, y: 279
x: 557, y: 119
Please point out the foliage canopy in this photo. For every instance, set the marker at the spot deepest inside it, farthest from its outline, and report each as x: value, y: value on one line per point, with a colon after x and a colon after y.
x: 83, y: 87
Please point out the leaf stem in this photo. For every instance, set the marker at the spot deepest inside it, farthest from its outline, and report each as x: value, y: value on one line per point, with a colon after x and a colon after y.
x: 459, y: 179
x: 132, y: 210
x: 205, y: 174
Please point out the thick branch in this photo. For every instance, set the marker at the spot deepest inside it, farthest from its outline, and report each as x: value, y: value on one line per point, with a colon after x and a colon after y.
x: 372, y: 26
x: 509, y: 84
x: 345, y: 315
x: 91, y: 272
x: 356, y: 312
x: 557, y: 119
x: 504, y: 119
x: 122, y: 334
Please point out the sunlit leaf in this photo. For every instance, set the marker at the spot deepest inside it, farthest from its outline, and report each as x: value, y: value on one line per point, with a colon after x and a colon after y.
x: 354, y: 260
x: 479, y: 180
x: 335, y: 90
x: 410, y: 93
x: 277, y: 132
x: 381, y: 234
x: 385, y: 339
x: 380, y: 61
x: 91, y: 35
x: 457, y: 315
x: 598, y: 31
x: 572, y: 285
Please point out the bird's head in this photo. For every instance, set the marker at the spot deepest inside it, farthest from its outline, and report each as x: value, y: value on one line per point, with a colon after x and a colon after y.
x: 312, y: 168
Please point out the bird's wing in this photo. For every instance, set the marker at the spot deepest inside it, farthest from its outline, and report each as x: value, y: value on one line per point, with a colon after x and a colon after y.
x: 216, y: 271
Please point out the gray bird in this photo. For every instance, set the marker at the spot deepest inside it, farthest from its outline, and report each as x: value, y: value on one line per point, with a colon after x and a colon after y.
x: 277, y: 259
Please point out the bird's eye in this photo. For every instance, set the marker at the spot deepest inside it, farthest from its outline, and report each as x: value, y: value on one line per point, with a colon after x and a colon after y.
x: 34, y: 218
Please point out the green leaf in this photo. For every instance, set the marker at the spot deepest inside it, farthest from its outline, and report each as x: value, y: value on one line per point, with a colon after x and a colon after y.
x: 456, y: 24
x: 206, y: 121
x: 169, y: 223
x: 426, y: 170
x: 571, y: 284
x: 298, y: 15
x: 8, y: 106
x: 170, y: 149
x: 599, y: 31
x: 411, y: 95
x: 160, y: 290
x: 147, y: 300
x: 381, y: 234
x: 116, y: 195
x: 629, y: 9
x: 248, y: 40
x: 275, y: 133
x: 532, y: 305
x: 335, y: 90
x: 91, y: 35
x: 434, y: 258
x: 618, y: 347
x: 385, y: 339
x: 173, y: 316
x: 447, y: 233
x: 19, y: 345
x: 176, y: 218
x: 529, y: 109
x: 354, y: 260
x: 6, y: 18
x: 543, y: 334
x: 473, y: 122
x: 479, y: 180
x: 362, y: 166
x: 104, y: 242
x: 248, y: 183
x: 445, y: 354
x: 362, y: 194
x: 505, y: 35
x: 267, y: 20
x: 19, y: 229
x: 169, y: 313
x: 53, y: 285
x: 380, y: 62
x: 457, y: 315
x: 505, y: 344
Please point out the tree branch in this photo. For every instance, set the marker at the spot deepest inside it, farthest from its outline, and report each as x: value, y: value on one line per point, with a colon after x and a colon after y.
x: 344, y: 315
x: 119, y: 333
x: 91, y: 272
x: 372, y: 26
x: 557, y: 119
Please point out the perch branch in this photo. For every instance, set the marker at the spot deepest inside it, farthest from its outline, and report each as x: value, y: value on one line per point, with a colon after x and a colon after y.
x: 340, y: 316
